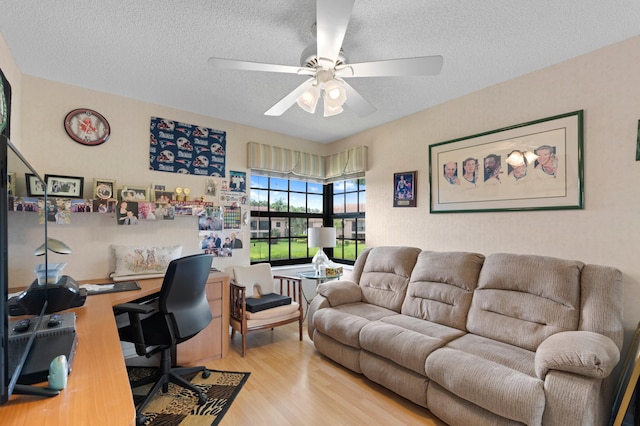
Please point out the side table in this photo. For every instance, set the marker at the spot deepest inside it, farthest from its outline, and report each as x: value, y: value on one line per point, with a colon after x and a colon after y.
x: 311, y: 275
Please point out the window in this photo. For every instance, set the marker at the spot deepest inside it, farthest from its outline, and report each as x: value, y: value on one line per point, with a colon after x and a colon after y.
x: 348, y: 216
x: 282, y: 210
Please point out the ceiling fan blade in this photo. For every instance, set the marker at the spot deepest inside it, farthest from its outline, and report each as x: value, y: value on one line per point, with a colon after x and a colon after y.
x: 423, y: 65
x: 332, y: 19
x: 285, y: 103
x: 232, y: 64
x: 357, y: 103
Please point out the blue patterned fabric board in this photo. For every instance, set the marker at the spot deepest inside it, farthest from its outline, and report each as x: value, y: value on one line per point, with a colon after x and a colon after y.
x: 186, y: 148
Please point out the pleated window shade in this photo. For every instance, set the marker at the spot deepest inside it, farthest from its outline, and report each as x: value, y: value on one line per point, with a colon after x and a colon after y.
x: 282, y: 162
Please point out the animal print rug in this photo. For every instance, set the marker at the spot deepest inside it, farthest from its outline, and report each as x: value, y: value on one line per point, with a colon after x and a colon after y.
x: 180, y: 406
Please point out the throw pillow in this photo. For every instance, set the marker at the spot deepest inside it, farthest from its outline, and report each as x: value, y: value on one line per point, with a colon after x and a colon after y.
x: 147, y: 261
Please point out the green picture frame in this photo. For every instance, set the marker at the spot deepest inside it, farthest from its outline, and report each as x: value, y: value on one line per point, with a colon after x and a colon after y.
x: 536, y: 165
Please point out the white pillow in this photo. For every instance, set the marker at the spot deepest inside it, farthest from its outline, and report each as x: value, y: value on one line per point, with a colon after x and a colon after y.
x: 147, y: 261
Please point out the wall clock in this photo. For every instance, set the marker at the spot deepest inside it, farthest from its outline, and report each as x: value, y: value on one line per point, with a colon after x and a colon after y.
x: 87, y: 127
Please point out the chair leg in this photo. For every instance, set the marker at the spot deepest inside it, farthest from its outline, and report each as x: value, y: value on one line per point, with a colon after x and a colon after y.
x: 244, y: 344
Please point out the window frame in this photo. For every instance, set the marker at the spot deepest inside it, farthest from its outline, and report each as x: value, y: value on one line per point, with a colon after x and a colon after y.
x: 327, y: 218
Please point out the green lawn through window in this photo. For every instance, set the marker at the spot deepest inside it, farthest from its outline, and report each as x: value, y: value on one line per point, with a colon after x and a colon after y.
x: 260, y: 250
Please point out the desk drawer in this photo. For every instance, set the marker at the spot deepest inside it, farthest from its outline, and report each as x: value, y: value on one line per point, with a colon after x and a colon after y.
x: 214, y: 290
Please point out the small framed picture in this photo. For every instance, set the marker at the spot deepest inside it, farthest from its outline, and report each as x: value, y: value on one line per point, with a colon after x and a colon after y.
x: 404, y: 189
x: 11, y: 184
x: 35, y: 186
x: 130, y: 193
x: 64, y: 186
x: 163, y: 197
x: 104, y: 189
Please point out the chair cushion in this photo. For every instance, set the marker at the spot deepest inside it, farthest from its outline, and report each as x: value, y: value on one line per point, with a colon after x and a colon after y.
x: 258, y: 275
x: 274, y: 313
x: 267, y: 301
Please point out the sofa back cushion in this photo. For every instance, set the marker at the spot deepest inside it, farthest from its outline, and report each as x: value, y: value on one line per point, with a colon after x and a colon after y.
x: 441, y: 287
x: 384, y: 275
x: 523, y: 299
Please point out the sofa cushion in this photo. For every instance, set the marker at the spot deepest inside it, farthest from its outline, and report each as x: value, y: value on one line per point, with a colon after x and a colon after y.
x: 441, y: 287
x: 343, y: 323
x: 490, y: 385
x: 512, y: 357
x: 407, y: 341
x: 385, y: 275
x: 523, y: 299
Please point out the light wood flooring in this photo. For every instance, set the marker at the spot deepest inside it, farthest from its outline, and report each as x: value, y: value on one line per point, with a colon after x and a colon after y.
x: 292, y: 384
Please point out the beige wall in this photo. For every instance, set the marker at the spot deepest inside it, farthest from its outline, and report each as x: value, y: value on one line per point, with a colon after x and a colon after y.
x: 124, y: 158
x: 606, y: 85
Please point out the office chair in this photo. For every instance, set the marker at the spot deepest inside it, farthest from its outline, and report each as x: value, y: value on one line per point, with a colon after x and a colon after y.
x: 182, y: 312
x: 245, y: 280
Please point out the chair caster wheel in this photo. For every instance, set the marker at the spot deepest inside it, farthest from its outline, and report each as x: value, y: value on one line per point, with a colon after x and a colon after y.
x: 205, y: 374
x: 202, y: 399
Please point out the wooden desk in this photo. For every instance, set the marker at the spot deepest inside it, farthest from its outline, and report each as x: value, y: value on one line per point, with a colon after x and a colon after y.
x: 97, y: 391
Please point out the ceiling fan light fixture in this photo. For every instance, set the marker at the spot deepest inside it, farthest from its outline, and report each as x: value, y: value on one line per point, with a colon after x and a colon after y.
x: 309, y: 99
x: 332, y: 110
x: 334, y: 93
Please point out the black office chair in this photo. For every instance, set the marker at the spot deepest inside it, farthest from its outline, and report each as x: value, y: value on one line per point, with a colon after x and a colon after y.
x: 182, y: 312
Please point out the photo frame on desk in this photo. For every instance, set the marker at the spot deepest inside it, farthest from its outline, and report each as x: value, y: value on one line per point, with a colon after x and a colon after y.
x: 64, y: 186
x: 11, y: 184
x: 34, y: 185
x: 104, y: 189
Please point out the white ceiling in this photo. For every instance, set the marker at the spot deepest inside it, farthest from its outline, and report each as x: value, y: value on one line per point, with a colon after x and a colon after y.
x: 157, y: 51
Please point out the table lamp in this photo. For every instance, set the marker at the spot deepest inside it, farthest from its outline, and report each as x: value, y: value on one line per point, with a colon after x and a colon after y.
x: 322, y: 238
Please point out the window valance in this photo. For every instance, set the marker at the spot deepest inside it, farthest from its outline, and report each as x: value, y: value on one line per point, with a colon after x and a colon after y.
x: 282, y: 162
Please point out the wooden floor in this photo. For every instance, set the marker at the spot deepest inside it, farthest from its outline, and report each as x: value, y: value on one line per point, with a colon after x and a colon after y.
x: 292, y: 384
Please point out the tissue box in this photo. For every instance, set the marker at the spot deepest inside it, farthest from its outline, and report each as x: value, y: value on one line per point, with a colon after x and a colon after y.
x: 52, y: 275
x: 334, y: 271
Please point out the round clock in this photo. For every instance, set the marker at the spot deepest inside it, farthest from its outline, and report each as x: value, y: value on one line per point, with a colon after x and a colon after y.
x: 87, y: 127
x: 3, y: 108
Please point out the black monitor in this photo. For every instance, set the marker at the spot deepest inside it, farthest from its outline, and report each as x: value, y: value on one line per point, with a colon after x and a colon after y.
x: 20, y: 233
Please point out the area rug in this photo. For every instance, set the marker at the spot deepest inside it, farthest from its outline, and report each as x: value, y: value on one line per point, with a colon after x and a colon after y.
x: 180, y: 406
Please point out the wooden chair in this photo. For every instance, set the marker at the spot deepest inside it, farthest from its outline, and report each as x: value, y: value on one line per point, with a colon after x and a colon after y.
x: 246, y: 280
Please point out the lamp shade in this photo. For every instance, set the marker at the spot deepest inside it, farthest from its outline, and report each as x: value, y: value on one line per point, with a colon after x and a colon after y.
x: 54, y: 245
x: 309, y: 99
x: 321, y: 237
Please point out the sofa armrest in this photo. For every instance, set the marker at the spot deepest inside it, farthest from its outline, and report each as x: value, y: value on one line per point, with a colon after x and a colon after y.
x: 581, y: 352
x: 340, y: 292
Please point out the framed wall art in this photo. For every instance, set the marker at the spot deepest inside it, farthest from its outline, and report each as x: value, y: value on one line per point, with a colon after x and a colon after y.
x: 64, y: 186
x: 35, y: 187
x: 404, y: 189
x: 531, y: 166
x: 104, y: 189
x: 638, y: 143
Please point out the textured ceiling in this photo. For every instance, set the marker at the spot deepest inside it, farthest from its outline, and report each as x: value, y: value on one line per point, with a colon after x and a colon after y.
x: 157, y: 51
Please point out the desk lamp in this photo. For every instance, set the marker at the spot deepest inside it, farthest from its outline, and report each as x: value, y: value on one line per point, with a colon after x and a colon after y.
x: 322, y: 238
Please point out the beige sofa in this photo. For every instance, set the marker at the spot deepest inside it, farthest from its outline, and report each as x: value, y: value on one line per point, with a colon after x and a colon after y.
x: 503, y: 340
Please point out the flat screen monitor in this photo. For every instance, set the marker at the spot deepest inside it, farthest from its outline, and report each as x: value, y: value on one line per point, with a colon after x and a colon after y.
x: 21, y: 231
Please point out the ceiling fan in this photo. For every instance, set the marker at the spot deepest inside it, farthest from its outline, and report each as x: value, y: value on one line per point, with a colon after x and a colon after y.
x: 326, y: 65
